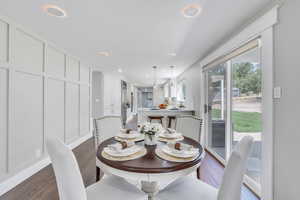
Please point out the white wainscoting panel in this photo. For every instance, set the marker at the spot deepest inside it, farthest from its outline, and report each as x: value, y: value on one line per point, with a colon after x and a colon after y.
x: 27, y: 52
x: 55, y: 62
x: 84, y: 110
x: 84, y: 74
x: 55, y: 109
x: 3, y: 121
x: 44, y: 91
x: 26, y: 130
x: 3, y: 41
x: 72, y: 112
x: 72, y: 70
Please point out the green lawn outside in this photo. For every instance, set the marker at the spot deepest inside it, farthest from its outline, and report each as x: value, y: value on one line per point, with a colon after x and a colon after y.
x: 243, y: 121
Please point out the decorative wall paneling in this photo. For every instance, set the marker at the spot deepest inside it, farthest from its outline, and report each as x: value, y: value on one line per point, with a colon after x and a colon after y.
x: 3, y: 120
x: 43, y: 92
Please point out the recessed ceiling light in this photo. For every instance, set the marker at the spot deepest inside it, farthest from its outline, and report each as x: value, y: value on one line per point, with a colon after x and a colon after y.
x: 54, y: 11
x: 172, y: 54
x: 192, y: 10
x: 103, y: 53
x: 120, y: 70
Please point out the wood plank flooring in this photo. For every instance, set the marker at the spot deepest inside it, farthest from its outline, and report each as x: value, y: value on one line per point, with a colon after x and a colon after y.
x: 42, y: 186
x: 211, y: 172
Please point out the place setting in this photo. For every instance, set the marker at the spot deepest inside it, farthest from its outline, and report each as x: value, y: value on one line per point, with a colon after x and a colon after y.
x: 170, y: 135
x: 169, y: 144
x: 177, y: 152
x: 123, y: 151
x: 129, y: 135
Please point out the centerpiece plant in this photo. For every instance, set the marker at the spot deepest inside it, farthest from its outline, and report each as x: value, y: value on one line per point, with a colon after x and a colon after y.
x: 150, y: 130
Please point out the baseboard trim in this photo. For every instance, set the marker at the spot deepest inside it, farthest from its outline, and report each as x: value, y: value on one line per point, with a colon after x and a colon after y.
x: 21, y: 176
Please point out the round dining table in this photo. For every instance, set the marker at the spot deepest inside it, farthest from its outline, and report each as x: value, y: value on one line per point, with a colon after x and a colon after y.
x: 149, y: 172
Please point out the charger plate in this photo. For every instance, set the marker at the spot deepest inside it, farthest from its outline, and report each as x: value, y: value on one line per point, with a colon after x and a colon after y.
x: 170, y: 158
x: 134, y: 156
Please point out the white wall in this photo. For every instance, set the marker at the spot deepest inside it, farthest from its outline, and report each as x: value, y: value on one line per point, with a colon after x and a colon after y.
x: 97, y: 94
x: 43, y: 92
x: 287, y: 109
x: 106, y: 93
x: 158, y: 96
x: 111, y: 94
x: 192, y: 77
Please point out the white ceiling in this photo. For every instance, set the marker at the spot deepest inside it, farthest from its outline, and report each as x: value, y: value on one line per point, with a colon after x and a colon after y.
x: 137, y: 33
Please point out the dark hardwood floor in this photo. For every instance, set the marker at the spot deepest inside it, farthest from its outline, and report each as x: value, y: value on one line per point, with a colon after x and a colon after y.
x: 42, y: 186
x: 211, y: 172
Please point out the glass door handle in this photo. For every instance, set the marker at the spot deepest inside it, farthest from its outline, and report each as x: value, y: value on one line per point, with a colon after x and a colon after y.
x: 207, y: 108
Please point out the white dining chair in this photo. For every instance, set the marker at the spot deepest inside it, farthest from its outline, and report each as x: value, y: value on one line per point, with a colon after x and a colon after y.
x: 230, y: 189
x: 70, y: 184
x: 104, y: 128
x: 132, y: 121
x: 189, y: 126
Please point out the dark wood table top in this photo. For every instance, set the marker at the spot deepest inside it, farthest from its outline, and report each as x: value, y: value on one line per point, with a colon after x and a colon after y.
x: 150, y: 163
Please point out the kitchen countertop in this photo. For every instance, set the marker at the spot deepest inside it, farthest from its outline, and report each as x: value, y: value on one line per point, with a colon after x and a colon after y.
x: 165, y: 110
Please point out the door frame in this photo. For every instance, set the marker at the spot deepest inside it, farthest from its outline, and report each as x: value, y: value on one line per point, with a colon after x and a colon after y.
x: 263, y: 28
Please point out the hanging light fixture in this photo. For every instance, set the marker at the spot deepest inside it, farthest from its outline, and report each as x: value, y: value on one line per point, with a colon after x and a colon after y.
x: 154, y: 76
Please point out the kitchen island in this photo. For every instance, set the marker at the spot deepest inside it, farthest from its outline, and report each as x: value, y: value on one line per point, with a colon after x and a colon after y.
x: 143, y: 113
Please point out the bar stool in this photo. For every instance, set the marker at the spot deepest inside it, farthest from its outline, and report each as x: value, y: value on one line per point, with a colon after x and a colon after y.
x: 159, y: 118
x: 170, y: 119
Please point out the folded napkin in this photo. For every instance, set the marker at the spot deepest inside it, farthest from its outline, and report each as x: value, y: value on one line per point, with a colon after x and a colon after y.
x: 117, y: 147
x: 170, y: 131
x: 180, y: 146
x: 126, y: 130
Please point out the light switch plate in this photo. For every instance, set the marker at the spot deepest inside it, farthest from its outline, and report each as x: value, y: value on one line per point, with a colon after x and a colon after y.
x: 277, y: 92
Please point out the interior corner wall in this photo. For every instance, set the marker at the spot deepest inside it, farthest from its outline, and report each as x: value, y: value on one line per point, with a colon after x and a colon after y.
x: 192, y: 77
x: 287, y: 109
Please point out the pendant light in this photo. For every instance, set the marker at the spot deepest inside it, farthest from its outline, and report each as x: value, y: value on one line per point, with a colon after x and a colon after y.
x: 154, y: 76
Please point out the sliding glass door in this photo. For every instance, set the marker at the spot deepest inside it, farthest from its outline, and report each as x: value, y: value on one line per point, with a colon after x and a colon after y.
x: 216, y: 109
x: 234, y: 106
x: 246, y: 110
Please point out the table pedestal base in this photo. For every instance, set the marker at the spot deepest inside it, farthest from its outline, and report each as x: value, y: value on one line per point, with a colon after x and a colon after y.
x: 151, y: 188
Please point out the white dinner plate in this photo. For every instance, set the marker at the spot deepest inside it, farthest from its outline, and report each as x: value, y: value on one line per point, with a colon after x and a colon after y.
x: 170, y: 136
x: 123, y: 153
x: 180, y: 154
x: 133, y: 134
